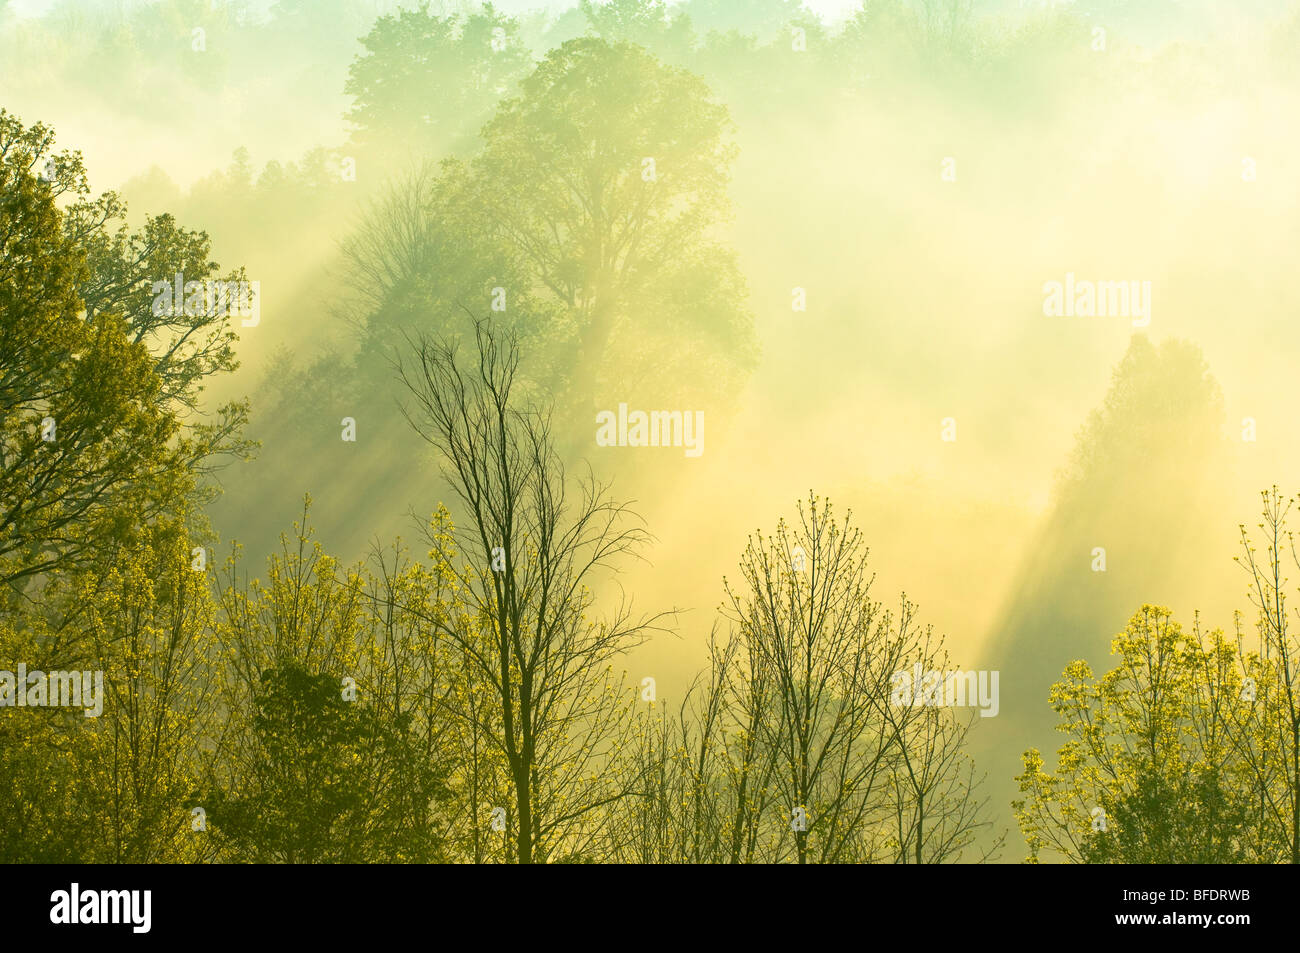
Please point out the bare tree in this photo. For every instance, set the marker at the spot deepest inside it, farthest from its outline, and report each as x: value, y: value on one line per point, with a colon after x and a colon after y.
x: 936, y: 809
x: 526, y: 554
x: 681, y: 811
x: 395, y: 244
x: 1273, y: 744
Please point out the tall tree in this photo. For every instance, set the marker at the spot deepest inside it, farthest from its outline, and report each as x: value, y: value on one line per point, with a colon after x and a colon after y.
x: 608, y: 174
x: 529, y: 550
x: 98, y: 395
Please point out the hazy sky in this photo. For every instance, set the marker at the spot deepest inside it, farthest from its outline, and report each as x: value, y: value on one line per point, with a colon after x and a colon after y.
x: 823, y: 8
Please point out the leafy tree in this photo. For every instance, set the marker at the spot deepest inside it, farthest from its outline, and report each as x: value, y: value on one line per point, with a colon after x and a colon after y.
x: 334, y: 781
x: 1148, y: 773
x: 420, y: 257
x: 446, y: 241
x: 310, y: 767
x: 651, y: 24
x: 426, y: 83
x: 114, y: 788
x: 607, y: 174
x: 103, y: 446
x: 96, y: 393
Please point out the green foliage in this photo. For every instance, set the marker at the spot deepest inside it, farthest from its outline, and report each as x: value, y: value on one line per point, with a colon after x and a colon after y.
x: 104, y: 451
x: 113, y: 788
x: 1153, y: 771
x: 426, y: 83
x: 96, y: 393
x: 588, y: 180
x: 332, y: 781
x: 607, y: 174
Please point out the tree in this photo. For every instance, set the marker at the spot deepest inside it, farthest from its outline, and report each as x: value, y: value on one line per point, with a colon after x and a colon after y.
x: 118, y: 785
x: 421, y: 254
x: 335, y: 780
x: 332, y: 749
x: 934, y: 801
x: 796, y: 744
x: 426, y: 83
x: 102, y: 451
x: 586, y: 224
x: 647, y: 23
x: 823, y: 738
x: 1273, y: 748
x: 607, y: 174
x: 525, y: 558
x: 1189, y: 749
x: 679, y: 811
x: 302, y: 799
x: 97, y: 428
x: 1149, y: 773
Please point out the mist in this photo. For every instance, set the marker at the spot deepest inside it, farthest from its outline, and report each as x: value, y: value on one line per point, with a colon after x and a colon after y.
x: 908, y: 181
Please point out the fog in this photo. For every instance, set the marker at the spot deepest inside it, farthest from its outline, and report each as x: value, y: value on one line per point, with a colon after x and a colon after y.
x: 921, y: 185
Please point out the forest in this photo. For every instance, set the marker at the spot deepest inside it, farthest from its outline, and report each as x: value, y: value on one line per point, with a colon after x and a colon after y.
x: 644, y: 432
